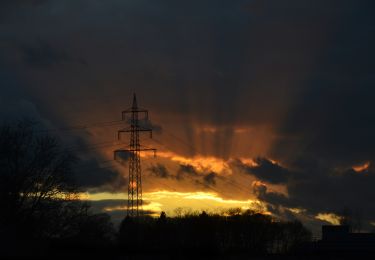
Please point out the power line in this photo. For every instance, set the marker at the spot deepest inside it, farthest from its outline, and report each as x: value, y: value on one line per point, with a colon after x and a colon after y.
x: 98, y: 166
x: 96, y: 146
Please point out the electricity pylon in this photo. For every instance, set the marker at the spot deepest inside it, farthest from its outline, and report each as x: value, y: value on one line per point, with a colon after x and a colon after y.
x: 134, y: 150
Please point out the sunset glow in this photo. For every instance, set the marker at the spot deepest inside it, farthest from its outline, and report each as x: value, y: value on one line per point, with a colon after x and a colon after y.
x: 362, y: 167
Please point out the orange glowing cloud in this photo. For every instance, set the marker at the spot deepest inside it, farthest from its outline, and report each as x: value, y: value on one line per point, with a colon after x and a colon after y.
x: 205, y: 163
x: 249, y: 162
x: 329, y: 217
x: 201, y: 163
x: 362, y: 167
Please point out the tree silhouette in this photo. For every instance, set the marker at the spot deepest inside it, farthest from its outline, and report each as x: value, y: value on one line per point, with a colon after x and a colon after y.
x: 38, y: 197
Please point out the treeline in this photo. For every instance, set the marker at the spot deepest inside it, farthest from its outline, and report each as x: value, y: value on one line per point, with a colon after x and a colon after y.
x: 248, y: 232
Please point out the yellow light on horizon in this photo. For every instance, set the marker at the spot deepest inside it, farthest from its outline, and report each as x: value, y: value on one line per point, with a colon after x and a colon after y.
x: 168, y: 201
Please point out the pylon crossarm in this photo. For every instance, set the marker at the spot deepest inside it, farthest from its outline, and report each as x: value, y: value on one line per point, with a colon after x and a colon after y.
x: 131, y: 111
x: 138, y: 110
x: 138, y: 129
x: 119, y: 132
x: 136, y: 150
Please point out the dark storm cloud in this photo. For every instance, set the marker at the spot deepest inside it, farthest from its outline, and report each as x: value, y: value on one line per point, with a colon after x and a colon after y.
x: 159, y: 170
x: 189, y: 48
x: 44, y: 55
x: 122, y: 156
x: 5, y: 3
x: 274, y: 198
x: 152, y: 58
x: 318, y: 189
x: 186, y: 170
x: 334, y: 191
x: 339, y: 127
x: 265, y: 170
x: 333, y: 118
x: 210, y: 179
x: 10, y: 5
x: 7, y: 7
x: 90, y: 175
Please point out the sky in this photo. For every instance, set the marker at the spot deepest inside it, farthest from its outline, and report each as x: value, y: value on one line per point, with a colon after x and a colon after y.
x: 260, y: 104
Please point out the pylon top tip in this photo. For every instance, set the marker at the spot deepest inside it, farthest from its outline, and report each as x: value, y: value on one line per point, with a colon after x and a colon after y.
x: 134, y: 100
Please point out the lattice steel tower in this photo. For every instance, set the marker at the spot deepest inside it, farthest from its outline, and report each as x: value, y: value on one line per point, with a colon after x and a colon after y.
x: 136, y: 125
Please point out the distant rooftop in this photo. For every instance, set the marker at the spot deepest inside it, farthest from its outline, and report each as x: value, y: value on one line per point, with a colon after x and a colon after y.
x: 341, y: 239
